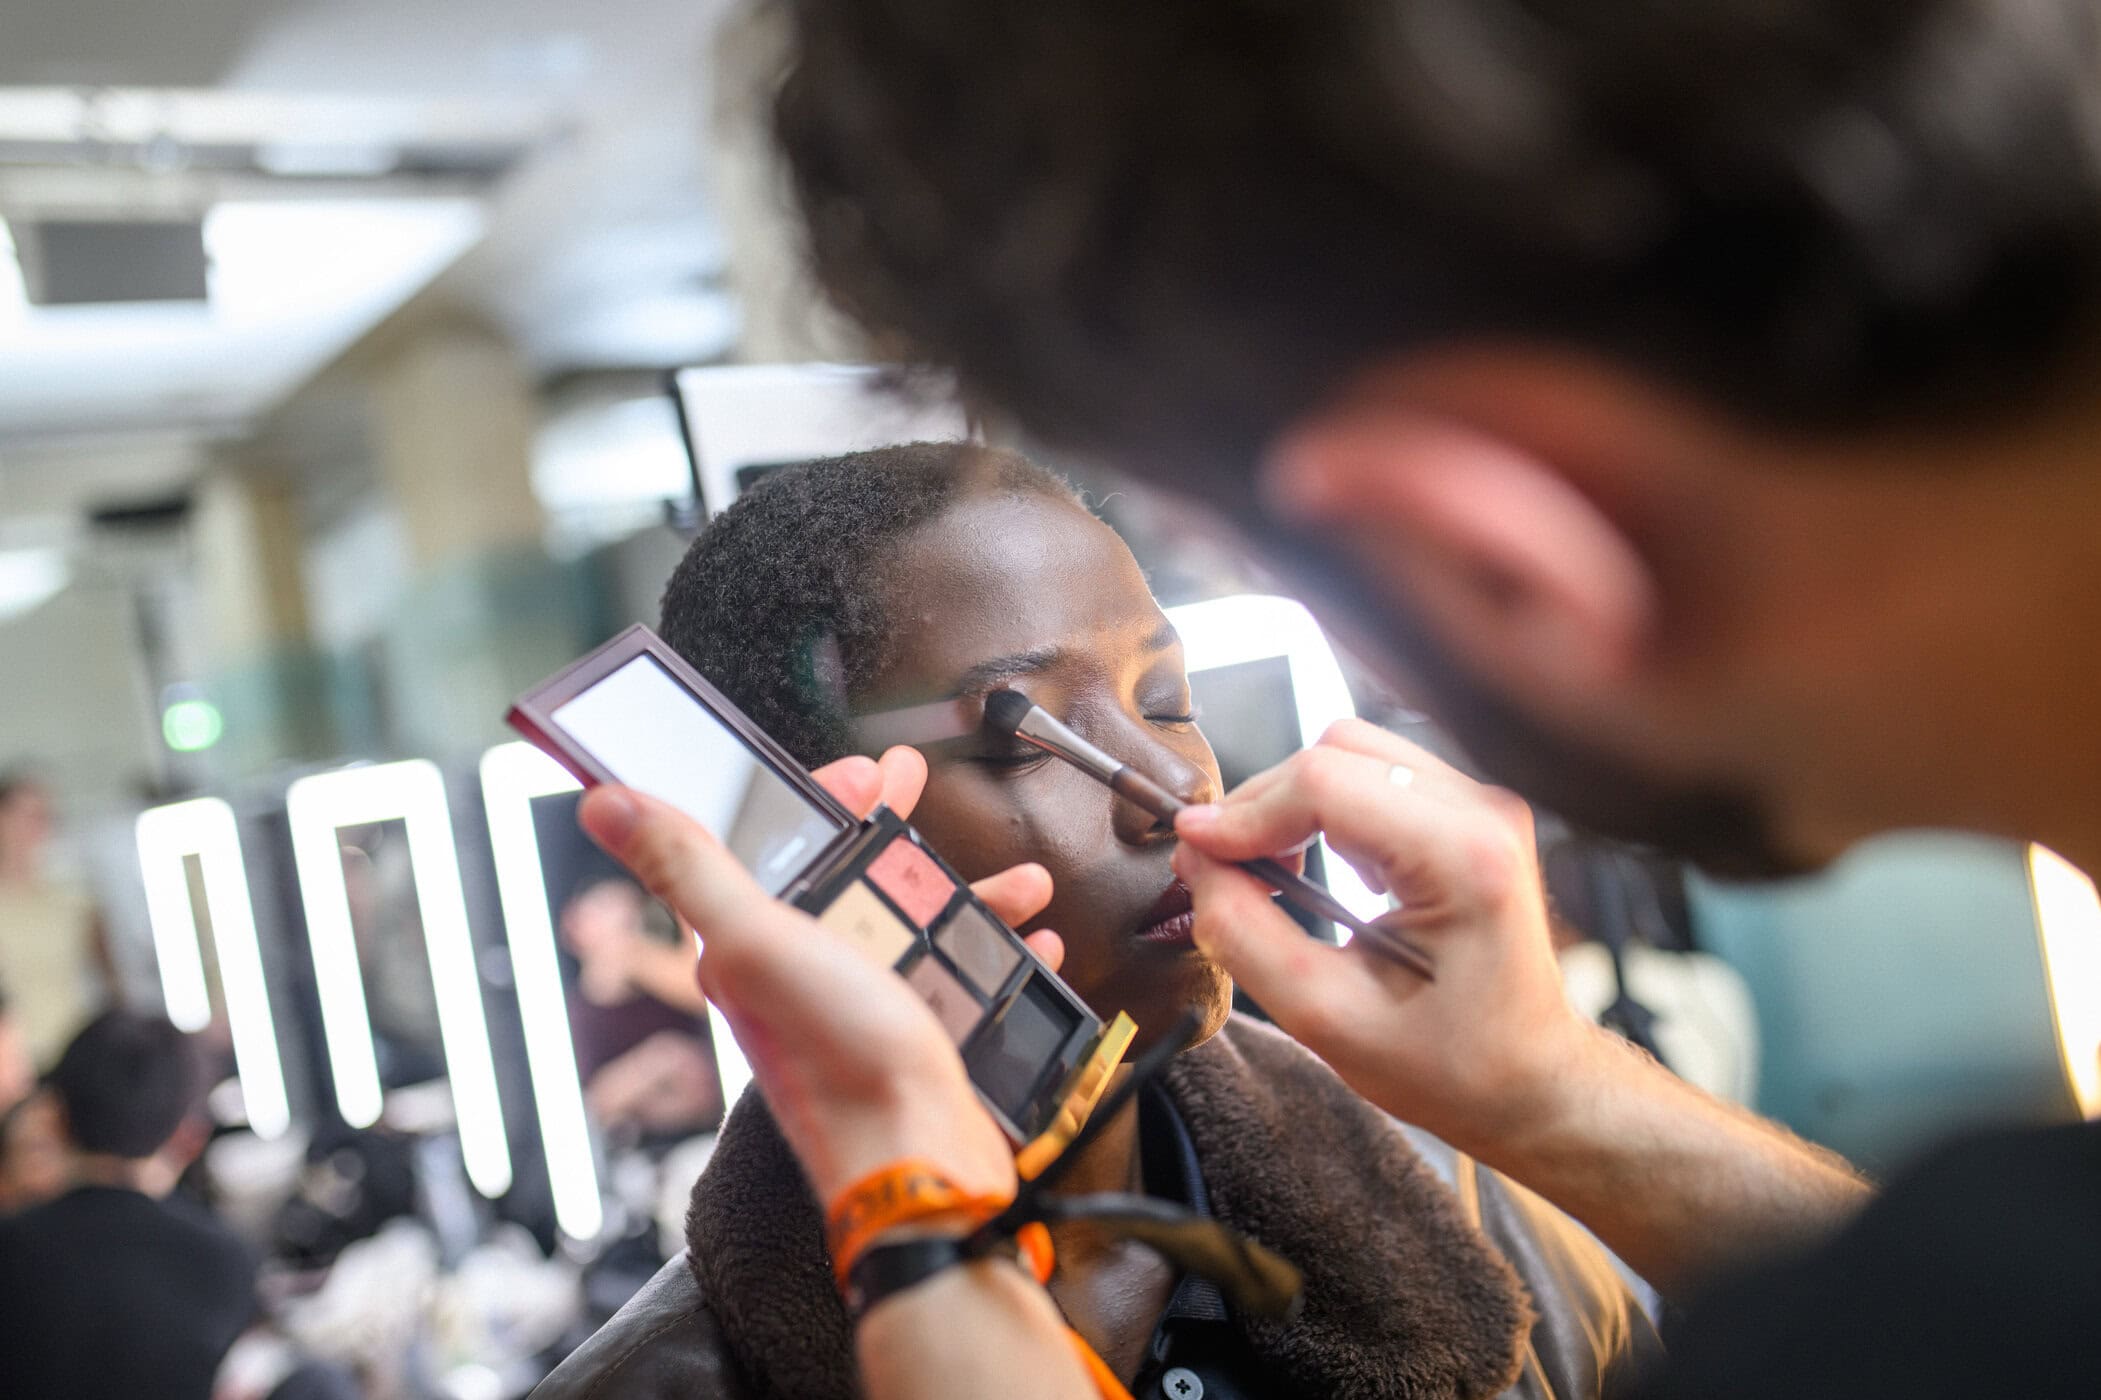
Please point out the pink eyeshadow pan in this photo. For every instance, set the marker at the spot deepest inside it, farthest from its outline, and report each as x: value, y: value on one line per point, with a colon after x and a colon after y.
x: 914, y: 883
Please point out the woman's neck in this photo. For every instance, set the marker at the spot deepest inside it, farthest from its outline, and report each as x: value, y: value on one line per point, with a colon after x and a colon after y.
x: 1111, y: 1290
x: 1110, y: 1162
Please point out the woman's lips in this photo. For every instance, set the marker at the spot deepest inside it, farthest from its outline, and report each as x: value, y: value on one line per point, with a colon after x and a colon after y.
x: 1172, y: 919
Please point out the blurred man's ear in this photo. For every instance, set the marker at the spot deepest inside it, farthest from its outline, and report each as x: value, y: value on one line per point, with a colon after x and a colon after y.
x: 1491, y: 543
x: 165, y: 1168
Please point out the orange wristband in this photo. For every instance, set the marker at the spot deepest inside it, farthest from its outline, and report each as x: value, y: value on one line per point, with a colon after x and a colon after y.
x: 1034, y: 1242
x: 1106, y: 1383
x: 912, y: 1191
x: 904, y: 1193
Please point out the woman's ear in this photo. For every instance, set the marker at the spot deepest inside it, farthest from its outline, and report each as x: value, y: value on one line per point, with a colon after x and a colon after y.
x: 1487, y: 542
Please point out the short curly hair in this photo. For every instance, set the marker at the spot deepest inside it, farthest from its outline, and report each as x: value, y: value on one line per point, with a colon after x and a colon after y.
x: 778, y: 602
x: 1161, y: 231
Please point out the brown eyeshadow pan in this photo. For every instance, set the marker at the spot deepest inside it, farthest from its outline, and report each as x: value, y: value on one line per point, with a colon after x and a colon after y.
x: 862, y: 916
x: 914, y: 883
x: 954, y: 1006
x: 984, y: 955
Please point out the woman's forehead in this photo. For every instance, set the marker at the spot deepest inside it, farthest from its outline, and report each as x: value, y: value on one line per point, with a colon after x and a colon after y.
x: 1002, y: 575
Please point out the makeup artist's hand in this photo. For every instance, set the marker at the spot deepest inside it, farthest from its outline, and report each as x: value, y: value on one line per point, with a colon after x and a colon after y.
x: 1460, y: 1057
x: 1490, y: 1056
x: 853, y: 1064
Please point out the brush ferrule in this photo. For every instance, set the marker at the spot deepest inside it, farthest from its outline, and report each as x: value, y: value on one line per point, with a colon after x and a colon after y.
x: 1044, y: 732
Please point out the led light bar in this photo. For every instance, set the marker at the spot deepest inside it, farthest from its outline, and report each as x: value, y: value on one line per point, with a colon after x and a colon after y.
x: 412, y: 792
x: 512, y: 775
x: 2068, y: 923
x: 1248, y: 627
x: 167, y: 837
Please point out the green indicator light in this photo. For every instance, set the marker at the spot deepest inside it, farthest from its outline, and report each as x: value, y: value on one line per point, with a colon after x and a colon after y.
x: 190, y: 725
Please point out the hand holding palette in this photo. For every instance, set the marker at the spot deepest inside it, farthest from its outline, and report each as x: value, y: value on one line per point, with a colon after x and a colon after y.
x: 633, y: 713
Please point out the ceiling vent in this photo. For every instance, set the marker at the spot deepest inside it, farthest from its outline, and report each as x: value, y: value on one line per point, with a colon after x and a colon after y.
x: 67, y: 262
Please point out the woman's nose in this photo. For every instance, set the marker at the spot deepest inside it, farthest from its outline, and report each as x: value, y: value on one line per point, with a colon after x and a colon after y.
x: 1189, y: 781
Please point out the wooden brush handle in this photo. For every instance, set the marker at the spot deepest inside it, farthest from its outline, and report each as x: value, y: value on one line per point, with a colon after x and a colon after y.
x: 1128, y: 782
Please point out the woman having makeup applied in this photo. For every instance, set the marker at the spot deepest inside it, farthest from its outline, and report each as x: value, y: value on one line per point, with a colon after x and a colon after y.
x: 835, y: 596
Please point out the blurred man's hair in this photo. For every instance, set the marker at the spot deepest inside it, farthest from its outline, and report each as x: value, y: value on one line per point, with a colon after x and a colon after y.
x: 126, y: 1083
x: 1172, y: 226
x: 1161, y: 231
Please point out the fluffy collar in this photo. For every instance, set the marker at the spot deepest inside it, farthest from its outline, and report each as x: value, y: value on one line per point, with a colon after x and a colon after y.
x: 1403, y: 1297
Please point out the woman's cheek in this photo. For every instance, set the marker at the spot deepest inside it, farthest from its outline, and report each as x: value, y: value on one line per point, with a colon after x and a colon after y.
x: 969, y: 822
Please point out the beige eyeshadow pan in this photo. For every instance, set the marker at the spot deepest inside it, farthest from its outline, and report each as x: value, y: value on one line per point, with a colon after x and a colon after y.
x: 862, y: 916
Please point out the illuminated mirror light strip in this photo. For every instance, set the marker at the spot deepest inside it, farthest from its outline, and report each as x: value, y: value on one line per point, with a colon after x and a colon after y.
x: 412, y: 792
x: 2068, y: 921
x: 1224, y: 632
x: 205, y: 828
x: 512, y: 775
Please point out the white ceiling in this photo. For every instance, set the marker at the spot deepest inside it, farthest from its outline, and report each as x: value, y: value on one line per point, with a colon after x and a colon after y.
x: 594, y: 246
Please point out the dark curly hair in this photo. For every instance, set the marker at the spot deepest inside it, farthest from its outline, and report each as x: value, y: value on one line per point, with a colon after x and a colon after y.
x: 1163, y: 230
x: 779, y: 602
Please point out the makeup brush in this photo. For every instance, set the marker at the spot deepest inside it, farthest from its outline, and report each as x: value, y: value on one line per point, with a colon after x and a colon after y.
x: 1010, y: 712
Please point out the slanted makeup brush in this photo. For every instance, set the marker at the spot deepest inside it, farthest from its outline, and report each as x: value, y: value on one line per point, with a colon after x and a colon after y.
x: 1009, y: 712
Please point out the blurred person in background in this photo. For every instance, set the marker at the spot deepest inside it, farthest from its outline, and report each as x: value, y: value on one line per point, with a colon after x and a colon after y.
x: 33, y: 1158
x: 54, y: 955
x: 32, y: 1164
x: 114, y: 1288
x: 17, y: 1069
x: 636, y: 1016
x: 1693, y: 403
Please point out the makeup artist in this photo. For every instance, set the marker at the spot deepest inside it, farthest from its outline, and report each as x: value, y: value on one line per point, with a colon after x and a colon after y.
x: 1698, y: 396
x: 839, y: 595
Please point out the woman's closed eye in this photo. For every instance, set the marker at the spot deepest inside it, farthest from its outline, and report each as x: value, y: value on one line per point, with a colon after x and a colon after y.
x: 1181, y: 718
x: 1011, y: 760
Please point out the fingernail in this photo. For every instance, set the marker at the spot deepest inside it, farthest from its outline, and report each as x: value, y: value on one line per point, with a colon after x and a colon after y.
x: 1197, y: 819
x: 610, y: 815
x: 1191, y: 864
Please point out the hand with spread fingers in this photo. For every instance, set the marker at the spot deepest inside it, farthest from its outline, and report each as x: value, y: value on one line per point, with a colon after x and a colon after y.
x: 1470, y: 1057
x: 1490, y: 1056
x: 856, y: 1069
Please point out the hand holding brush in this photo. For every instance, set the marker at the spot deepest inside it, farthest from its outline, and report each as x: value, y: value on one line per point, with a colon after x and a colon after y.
x: 1009, y: 712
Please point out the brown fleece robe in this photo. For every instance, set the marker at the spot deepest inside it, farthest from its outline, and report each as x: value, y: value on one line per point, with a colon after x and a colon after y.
x: 1403, y: 1298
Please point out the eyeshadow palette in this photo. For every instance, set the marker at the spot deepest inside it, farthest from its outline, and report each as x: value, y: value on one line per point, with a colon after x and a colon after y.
x: 632, y: 712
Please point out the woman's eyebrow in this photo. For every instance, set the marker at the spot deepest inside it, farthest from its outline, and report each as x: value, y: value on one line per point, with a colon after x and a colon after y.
x: 989, y: 673
x: 941, y: 723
